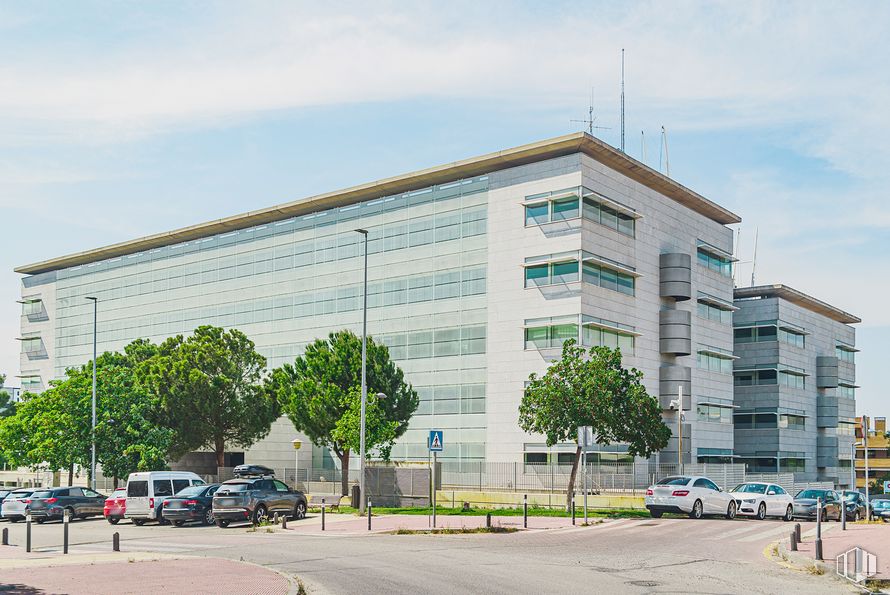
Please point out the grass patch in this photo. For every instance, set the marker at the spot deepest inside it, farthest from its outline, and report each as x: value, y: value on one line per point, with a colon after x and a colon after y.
x: 454, y: 531
x: 532, y: 512
x: 815, y: 569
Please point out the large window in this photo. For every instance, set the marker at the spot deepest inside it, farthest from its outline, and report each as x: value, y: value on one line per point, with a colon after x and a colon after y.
x: 32, y: 307
x: 715, y: 455
x: 560, y: 269
x: 765, y: 418
x: 32, y: 345
x: 600, y: 212
x: 846, y: 389
x: 792, y: 379
x: 847, y: 428
x: 714, y: 413
x: 755, y: 377
x: 792, y: 422
x: 551, y: 333
x: 552, y: 273
x: 561, y: 205
x: 715, y: 261
x: 714, y: 360
x: 772, y: 331
x: 549, y: 211
x: 31, y: 383
x: 712, y: 312
x: 845, y: 353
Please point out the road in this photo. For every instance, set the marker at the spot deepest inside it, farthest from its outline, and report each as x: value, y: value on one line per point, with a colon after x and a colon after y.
x: 675, y: 555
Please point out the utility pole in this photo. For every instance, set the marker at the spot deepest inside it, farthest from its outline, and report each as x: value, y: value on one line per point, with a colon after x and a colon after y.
x: 361, y: 479
x: 93, y: 426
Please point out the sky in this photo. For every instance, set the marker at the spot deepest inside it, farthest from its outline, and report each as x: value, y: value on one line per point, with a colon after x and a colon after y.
x: 122, y: 119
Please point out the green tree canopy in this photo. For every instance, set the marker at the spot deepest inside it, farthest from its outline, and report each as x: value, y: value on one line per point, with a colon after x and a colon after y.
x: 321, y: 394
x: 7, y: 405
x: 592, y: 388
x: 210, y: 391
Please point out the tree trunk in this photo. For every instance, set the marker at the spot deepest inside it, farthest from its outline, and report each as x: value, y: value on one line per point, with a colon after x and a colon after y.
x: 71, y: 474
x: 344, y: 468
x: 220, y: 448
x: 116, y: 480
x: 570, y: 491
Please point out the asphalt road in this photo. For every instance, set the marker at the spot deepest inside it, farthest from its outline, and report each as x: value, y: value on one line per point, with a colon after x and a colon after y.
x: 625, y: 556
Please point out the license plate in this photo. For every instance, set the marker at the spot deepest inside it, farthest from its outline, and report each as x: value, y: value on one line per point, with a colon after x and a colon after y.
x: 227, y: 502
x: 175, y: 505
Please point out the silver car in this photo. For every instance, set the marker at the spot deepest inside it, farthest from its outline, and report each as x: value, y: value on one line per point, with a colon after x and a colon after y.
x: 15, y: 505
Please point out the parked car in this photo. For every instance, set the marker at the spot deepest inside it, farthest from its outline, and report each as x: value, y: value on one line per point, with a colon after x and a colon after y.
x: 855, y: 505
x: 14, y: 505
x: 880, y: 509
x: 194, y: 503
x: 51, y: 503
x: 146, y: 491
x: 253, y: 498
x: 3, y: 495
x: 115, y: 506
x: 761, y: 500
x: 693, y: 495
x: 806, y: 504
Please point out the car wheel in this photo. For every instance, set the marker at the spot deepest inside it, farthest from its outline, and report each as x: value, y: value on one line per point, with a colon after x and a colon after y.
x: 856, y: 517
x: 71, y: 515
x: 40, y: 521
x: 179, y: 523
x: 656, y: 514
x: 697, y: 512
x: 300, y: 511
x: 222, y: 523
x: 789, y: 514
x: 730, y: 512
x: 259, y: 514
x: 761, y: 511
x: 138, y: 522
x: 208, y: 517
x: 113, y: 520
x: 14, y: 519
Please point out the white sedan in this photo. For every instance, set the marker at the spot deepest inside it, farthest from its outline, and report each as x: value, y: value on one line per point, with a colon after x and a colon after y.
x: 693, y: 495
x: 761, y: 500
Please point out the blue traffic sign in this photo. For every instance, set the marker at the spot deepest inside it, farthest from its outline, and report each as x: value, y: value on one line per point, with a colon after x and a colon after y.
x: 437, y: 441
x: 887, y: 487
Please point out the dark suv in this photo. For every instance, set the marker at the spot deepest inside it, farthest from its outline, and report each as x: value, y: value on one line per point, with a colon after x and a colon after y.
x: 52, y: 503
x: 255, y: 496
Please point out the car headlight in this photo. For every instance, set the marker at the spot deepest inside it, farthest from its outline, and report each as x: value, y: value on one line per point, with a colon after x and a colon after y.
x: 748, y: 500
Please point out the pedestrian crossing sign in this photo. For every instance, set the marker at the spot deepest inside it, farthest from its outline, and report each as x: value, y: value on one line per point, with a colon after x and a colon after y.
x: 437, y: 441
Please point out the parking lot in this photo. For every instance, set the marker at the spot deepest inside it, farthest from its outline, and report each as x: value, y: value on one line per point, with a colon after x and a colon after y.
x: 622, y: 555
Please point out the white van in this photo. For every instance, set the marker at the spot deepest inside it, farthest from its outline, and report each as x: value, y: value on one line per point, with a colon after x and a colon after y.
x: 146, y: 491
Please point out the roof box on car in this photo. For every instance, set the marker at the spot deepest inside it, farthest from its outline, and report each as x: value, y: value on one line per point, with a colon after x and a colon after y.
x: 253, y: 471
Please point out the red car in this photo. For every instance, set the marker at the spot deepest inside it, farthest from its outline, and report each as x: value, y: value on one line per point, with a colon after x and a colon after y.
x: 115, y: 506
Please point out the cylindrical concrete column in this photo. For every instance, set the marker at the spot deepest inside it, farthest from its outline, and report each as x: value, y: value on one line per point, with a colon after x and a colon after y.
x: 675, y: 278
x: 670, y: 378
x: 675, y: 332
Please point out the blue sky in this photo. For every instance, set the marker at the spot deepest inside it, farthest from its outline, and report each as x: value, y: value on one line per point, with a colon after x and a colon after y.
x: 123, y: 119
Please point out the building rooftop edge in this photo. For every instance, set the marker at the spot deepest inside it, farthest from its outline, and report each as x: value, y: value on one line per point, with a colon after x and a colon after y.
x: 516, y: 156
x: 797, y: 297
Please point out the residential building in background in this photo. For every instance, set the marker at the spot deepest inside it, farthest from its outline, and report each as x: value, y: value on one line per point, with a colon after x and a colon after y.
x: 478, y: 271
x: 795, y: 383
x: 878, y: 455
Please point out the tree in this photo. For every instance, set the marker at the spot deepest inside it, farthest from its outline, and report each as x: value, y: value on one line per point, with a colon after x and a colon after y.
x: 591, y: 388
x: 209, y: 390
x: 321, y: 394
x: 7, y: 405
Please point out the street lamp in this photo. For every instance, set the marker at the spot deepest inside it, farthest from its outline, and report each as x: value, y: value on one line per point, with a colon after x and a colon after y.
x: 361, y: 479
x: 93, y: 432
x: 853, y: 464
x: 297, y: 444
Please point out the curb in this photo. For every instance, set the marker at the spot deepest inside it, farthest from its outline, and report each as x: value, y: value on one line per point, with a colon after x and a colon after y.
x: 802, y: 563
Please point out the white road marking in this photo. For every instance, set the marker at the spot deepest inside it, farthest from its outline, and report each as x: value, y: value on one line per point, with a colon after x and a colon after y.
x: 785, y: 528
x: 725, y: 534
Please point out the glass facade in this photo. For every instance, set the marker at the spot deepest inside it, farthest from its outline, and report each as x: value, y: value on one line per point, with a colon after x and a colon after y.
x: 572, y: 203
x: 715, y: 262
x: 770, y: 332
x: 570, y: 267
x: 712, y: 312
x: 551, y: 333
x: 286, y: 283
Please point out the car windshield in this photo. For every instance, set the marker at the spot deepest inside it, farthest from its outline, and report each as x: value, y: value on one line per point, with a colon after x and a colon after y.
x: 20, y: 494
x: 850, y: 495
x: 190, y: 491
x: 673, y: 481
x: 811, y: 494
x: 119, y: 493
x: 42, y: 494
x: 234, y: 487
x: 882, y: 504
x: 750, y: 488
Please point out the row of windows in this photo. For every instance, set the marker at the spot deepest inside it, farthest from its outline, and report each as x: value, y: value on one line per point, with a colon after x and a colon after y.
x: 448, y: 284
x: 847, y: 428
x: 451, y: 399
x: 557, y: 206
x: 714, y: 362
x: 553, y: 336
x: 845, y: 354
x: 768, y: 421
x: 32, y: 307
x: 568, y: 458
x: 317, y: 221
x: 32, y: 345
x: 570, y: 271
x: 393, y: 236
x: 769, y: 377
x: 464, y: 340
x: 758, y: 334
x: 846, y: 391
x: 712, y: 312
x: 715, y: 262
x: 714, y: 413
x: 768, y: 464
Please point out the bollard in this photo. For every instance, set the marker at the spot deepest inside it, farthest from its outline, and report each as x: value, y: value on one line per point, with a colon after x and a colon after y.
x: 525, y: 511
x: 797, y: 532
x: 65, y: 518
x: 369, y: 514
x: 819, y: 549
x: 5, y: 536
x: 28, y: 532
x: 843, y: 516
x: 275, y: 519
x: 116, y: 542
x: 487, y: 521
x: 284, y: 521
x: 322, y: 514
x: 573, y: 511
x: 818, y: 528
x: 793, y: 541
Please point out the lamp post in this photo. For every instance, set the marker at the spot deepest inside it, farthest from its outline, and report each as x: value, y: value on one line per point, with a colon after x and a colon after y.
x: 853, y: 446
x: 93, y: 431
x: 678, y: 403
x: 297, y: 444
x: 361, y: 479
x: 865, y: 427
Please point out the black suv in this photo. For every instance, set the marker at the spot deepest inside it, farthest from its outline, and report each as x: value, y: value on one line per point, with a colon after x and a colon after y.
x: 52, y: 503
x: 254, y: 496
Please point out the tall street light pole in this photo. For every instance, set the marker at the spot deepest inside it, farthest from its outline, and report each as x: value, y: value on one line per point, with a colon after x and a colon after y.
x: 93, y: 432
x: 361, y: 479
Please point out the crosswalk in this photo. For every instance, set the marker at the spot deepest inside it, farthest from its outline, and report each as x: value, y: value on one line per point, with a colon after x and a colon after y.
x: 745, y: 531
x: 140, y: 545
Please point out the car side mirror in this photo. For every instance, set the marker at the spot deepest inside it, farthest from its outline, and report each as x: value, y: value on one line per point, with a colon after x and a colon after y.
x: 771, y: 493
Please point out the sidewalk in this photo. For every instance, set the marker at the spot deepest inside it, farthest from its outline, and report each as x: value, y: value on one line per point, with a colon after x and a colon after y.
x: 873, y: 538
x: 117, y: 573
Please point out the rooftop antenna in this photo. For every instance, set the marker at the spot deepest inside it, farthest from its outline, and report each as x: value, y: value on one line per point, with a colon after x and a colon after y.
x: 591, y: 119
x: 667, y: 157
x: 622, y: 100
x: 754, y: 263
x: 643, y: 146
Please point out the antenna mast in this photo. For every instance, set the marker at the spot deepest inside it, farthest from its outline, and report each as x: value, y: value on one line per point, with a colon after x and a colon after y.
x: 591, y: 119
x: 754, y: 264
x: 667, y: 157
x: 643, y: 146
x: 622, y: 100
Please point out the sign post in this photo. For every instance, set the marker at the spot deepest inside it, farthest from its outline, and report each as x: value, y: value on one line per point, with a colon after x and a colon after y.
x: 297, y: 444
x: 436, y: 445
